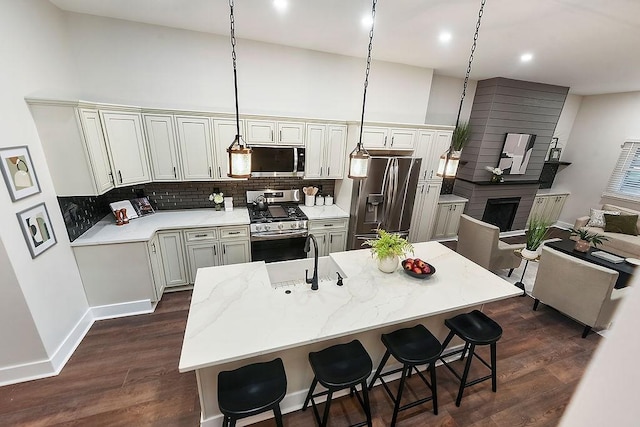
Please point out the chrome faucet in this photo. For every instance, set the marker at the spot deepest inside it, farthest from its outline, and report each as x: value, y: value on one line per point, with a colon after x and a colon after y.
x: 307, y: 248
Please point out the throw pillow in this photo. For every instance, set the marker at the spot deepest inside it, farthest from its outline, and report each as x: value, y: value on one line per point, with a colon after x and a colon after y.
x: 625, y: 224
x: 597, y: 217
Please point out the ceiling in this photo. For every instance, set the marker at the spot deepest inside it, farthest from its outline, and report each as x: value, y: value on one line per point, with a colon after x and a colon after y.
x: 589, y: 45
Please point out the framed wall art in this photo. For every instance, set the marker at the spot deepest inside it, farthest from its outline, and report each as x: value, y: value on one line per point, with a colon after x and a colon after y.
x: 18, y: 172
x: 36, y: 227
x: 516, y: 152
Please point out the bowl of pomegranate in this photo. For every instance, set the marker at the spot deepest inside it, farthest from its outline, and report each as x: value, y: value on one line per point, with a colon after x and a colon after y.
x: 415, y: 267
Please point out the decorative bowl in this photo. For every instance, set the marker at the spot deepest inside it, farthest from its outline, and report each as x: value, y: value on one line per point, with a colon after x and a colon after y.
x: 419, y: 275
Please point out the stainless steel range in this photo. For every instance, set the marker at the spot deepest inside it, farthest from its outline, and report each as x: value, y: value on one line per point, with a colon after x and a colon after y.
x: 278, y: 225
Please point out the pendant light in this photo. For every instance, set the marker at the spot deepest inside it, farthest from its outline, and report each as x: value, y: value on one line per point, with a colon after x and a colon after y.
x: 239, y: 151
x: 359, y: 157
x: 449, y: 161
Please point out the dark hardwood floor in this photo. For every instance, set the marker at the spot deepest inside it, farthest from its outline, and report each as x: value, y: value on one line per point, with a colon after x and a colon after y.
x: 124, y: 373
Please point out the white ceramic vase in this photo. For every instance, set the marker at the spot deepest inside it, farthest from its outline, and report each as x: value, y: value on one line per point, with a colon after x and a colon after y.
x: 388, y: 264
x: 527, y: 254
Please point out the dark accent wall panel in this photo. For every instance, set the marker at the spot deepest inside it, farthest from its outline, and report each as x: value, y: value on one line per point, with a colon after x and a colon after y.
x: 505, y: 105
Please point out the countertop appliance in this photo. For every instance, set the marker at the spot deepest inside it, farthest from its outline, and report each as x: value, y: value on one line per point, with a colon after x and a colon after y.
x: 384, y: 199
x: 277, y: 161
x: 278, y: 233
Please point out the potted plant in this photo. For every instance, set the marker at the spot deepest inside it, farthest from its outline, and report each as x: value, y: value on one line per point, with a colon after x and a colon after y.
x: 535, y: 234
x: 586, y: 239
x: 387, y: 248
x: 460, y: 137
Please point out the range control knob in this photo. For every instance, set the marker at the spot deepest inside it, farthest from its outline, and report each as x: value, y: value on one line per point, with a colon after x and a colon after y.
x: 281, y: 226
x: 267, y: 227
x: 259, y: 227
x: 294, y: 225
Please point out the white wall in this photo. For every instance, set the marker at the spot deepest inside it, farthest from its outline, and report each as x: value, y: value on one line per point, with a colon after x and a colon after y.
x: 601, y: 126
x: 566, y: 121
x: 36, y: 56
x: 140, y: 64
x: 444, y: 100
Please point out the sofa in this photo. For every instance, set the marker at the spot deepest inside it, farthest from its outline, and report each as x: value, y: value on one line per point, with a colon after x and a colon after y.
x: 620, y: 244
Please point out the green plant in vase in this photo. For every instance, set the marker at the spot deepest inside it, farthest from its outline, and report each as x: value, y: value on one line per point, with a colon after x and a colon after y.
x: 536, y: 234
x: 586, y: 239
x: 387, y: 248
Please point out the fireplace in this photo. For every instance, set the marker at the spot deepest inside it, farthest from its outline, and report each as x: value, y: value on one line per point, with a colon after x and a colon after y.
x: 501, y: 212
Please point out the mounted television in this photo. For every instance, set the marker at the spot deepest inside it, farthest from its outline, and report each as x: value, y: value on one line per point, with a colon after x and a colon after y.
x: 516, y: 153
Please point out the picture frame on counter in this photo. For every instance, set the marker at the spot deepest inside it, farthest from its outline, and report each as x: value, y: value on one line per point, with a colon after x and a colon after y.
x: 36, y: 227
x: 18, y: 172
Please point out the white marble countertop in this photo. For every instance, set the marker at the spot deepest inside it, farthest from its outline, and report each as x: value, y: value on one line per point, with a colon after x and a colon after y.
x: 451, y: 198
x: 142, y: 229
x: 235, y: 313
x: 551, y: 192
x: 323, y: 212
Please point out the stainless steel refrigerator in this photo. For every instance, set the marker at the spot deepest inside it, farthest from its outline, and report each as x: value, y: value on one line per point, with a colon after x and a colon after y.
x: 384, y: 199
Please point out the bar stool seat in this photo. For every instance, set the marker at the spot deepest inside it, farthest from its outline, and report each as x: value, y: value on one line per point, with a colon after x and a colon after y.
x: 474, y: 328
x: 412, y: 347
x: 336, y: 368
x: 251, y: 390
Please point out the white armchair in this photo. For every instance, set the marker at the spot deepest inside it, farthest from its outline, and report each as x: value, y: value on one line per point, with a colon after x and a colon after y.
x: 479, y: 242
x: 577, y: 288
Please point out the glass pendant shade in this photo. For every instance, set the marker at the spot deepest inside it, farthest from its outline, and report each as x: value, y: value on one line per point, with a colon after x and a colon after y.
x: 358, y: 163
x: 448, y: 165
x: 239, y: 159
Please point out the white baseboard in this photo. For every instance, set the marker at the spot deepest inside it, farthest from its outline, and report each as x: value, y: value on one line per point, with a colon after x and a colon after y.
x: 123, y: 309
x: 52, y: 366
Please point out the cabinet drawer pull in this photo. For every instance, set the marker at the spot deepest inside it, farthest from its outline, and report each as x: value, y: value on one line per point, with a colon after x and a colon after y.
x: 220, y: 171
x: 199, y: 235
x: 392, y: 138
x: 215, y: 251
x: 153, y: 245
x: 120, y: 176
x: 210, y: 172
x: 329, y: 225
x: 233, y: 232
x: 385, y: 141
x: 224, y: 250
x: 280, y: 135
x: 320, y: 170
x: 175, y: 174
x: 328, y: 170
x: 111, y: 177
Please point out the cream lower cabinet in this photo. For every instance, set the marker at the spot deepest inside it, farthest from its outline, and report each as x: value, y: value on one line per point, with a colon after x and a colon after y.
x: 200, y: 255
x: 447, y: 220
x: 548, y: 206
x: 424, y: 211
x: 155, y: 258
x: 173, y: 261
x: 331, y: 235
x: 235, y: 252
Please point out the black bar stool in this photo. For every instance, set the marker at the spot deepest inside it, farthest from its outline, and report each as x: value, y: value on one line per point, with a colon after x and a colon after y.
x: 251, y: 390
x: 336, y: 368
x: 412, y: 347
x: 475, y: 328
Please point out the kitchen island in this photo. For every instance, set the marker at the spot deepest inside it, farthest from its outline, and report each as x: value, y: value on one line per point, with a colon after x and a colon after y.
x: 239, y: 316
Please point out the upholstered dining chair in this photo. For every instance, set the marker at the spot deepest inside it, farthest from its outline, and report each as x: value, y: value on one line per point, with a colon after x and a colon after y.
x: 479, y: 242
x: 577, y: 288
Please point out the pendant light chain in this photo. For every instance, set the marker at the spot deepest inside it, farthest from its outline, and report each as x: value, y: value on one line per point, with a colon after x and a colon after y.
x: 366, y: 76
x: 233, y: 56
x: 473, y: 49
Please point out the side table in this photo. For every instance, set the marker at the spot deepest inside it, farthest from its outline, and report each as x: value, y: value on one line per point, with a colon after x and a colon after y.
x: 520, y: 284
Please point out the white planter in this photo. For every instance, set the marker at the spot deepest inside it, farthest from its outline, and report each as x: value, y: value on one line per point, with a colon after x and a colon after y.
x: 388, y: 264
x: 527, y: 254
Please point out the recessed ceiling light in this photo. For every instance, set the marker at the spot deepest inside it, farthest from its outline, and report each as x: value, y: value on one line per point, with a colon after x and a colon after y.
x: 281, y: 5
x: 445, y: 37
x: 367, y: 21
x: 526, y: 57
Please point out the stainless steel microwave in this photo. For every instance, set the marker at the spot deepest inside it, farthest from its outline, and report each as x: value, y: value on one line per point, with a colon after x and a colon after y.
x: 277, y: 161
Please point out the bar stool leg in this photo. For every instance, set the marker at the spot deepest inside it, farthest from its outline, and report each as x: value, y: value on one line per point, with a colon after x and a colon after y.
x: 278, y: 415
x: 434, y: 389
x: 367, y: 405
x: 447, y: 341
x: 463, y: 382
x: 311, y: 389
x: 383, y: 362
x: 494, y: 382
x: 396, y: 407
x: 327, y: 405
x: 466, y: 347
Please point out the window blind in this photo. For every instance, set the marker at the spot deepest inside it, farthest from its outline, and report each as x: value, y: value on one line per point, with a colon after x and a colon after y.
x: 625, y: 179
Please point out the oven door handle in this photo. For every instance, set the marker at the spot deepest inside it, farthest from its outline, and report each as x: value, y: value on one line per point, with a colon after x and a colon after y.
x: 277, y: 236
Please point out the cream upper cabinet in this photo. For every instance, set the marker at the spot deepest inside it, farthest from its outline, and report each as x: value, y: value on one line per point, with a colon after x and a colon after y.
x: 127, y: 147
x: 402, y: 139
x: 96, y: 150
x: 163, y: 147
x: 325, y: 151
x: 275, y: 132
x: 224, y: 132
x: 374, y: 137
x: 196, y: 148
x: 423, y: 149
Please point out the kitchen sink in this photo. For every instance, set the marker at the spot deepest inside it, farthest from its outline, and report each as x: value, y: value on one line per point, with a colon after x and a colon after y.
x: 289, y: 274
